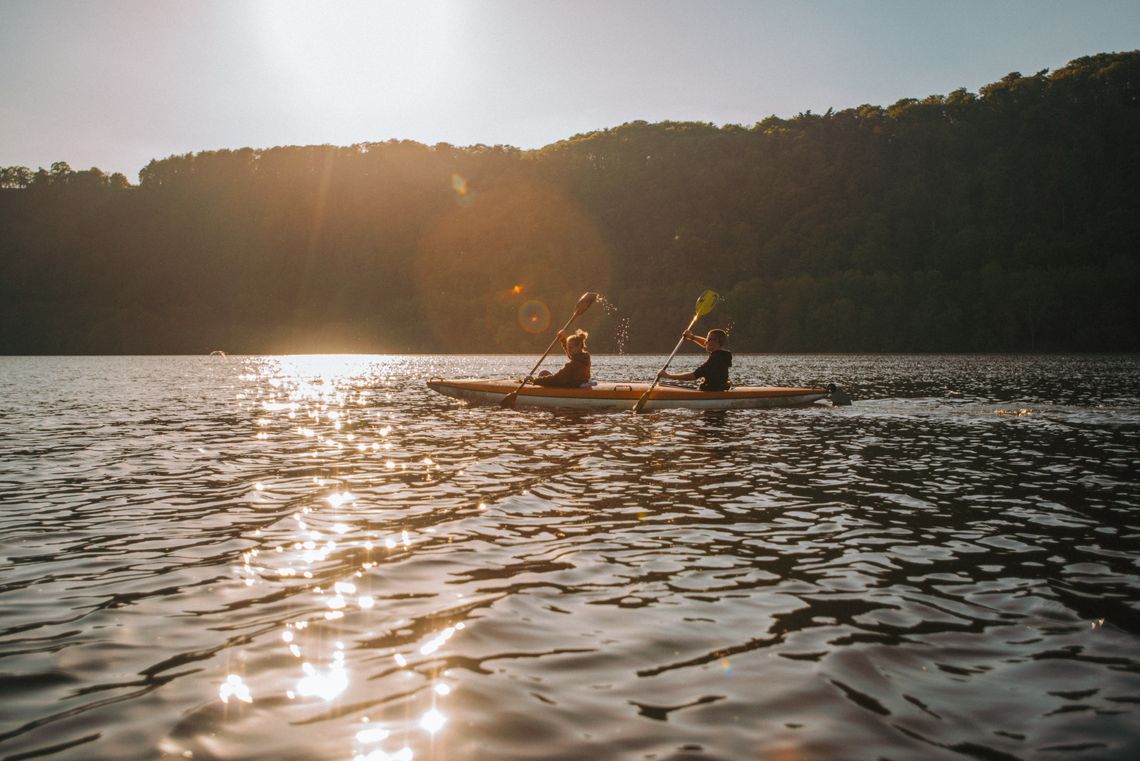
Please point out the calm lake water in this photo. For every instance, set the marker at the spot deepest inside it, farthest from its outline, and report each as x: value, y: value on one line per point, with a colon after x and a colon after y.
x: 319, y: 558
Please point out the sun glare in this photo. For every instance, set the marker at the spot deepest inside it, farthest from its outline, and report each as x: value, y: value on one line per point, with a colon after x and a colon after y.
x: 358, y: 52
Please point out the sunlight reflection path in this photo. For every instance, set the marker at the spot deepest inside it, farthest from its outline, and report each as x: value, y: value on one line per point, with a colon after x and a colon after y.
x: 326, y: 552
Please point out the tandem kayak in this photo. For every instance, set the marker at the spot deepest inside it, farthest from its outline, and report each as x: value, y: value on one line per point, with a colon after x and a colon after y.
x: 622, y: 396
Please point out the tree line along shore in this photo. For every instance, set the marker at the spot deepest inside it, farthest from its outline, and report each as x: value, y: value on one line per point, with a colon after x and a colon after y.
x: 1002, y: 220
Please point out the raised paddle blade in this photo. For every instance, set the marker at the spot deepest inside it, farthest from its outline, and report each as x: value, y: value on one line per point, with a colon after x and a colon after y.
x: 585, y: 303
x: 706, y: 302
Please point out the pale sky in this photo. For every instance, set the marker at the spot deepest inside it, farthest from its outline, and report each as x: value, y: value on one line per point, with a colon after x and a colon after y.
x: 115, y: 83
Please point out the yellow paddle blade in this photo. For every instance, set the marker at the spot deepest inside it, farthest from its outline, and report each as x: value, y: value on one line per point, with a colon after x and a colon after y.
x: 706, y: 302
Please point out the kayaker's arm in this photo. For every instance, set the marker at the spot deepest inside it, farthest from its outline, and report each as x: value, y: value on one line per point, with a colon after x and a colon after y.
x: 698, y: 340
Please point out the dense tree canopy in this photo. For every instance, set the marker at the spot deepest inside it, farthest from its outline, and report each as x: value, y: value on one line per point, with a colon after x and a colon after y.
x: 1007, y: 220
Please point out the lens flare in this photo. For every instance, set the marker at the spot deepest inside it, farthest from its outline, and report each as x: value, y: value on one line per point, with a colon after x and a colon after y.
x: 534, y: 317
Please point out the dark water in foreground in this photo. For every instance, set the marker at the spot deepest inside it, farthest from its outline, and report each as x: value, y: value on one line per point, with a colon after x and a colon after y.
x: 311, y: 558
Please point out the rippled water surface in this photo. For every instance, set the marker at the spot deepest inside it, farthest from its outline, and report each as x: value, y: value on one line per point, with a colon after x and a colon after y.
x: 319, y: 558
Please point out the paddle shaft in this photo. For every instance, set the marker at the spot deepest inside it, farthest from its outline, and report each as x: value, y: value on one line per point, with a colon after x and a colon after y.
x: 548, y: 348
x: 645, y: 397
x: 508, y: 400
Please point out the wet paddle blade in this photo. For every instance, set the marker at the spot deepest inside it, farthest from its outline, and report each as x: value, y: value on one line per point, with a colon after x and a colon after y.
x: 706, y: 302
x: 584, y: 303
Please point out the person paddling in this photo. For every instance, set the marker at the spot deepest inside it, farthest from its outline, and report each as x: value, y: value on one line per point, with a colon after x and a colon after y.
x: 714, y: 372
x: 576, y: 371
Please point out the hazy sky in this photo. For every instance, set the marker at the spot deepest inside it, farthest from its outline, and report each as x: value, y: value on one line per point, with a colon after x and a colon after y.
x: 115, y: 83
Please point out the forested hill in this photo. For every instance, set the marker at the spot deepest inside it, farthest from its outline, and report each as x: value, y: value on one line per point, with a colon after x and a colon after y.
x: 1006, y: 220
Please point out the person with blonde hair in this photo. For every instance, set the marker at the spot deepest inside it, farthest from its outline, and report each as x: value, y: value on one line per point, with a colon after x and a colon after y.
x: 576, y: 371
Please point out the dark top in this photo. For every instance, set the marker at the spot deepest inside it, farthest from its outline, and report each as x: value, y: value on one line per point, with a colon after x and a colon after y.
x: 715, y: 371
x: 573, y: 374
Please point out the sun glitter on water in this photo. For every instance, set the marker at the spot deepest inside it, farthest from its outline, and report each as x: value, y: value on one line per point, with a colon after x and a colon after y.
x: 326, y: 402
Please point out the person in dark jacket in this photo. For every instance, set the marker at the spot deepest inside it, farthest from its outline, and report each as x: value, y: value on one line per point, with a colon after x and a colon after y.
x: 714, y: 372
x: 576, y: 371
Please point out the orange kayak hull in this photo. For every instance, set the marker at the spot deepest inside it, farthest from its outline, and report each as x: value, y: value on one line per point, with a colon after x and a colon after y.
x: 618, y: 395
